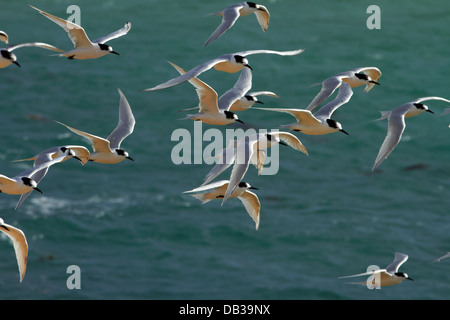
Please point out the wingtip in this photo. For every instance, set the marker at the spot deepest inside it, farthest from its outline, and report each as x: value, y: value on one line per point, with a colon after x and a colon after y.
x: 40, y: 11
x: 375, y: 167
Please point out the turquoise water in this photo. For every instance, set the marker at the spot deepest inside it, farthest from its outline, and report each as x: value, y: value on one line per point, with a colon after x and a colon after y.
x: 128, y: 226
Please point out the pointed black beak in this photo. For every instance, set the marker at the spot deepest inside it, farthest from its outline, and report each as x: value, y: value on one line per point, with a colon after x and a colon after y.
x: 115, y: 53
x: 429, y: 111
x: 16, y: 63
x: 343, y: 131
x: 238, y: 120
x: 253, y: 188
x: 248, y: 66
x: 259, y: 102
x: 77, y: 159
x: 409, y: 279
x: 283, y: 143
x: 371, y: 81
x: 130, y: 158
x: 37, y: 189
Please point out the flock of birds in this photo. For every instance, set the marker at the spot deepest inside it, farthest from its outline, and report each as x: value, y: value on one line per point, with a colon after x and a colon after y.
x: 214, y: 110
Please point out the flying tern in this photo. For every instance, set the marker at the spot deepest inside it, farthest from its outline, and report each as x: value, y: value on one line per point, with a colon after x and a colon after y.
x: 396, y: 124
x: 212, y: 110
x: 386, y: 277
x: 23, y: 182
x: 78, y: 152
x: 216, y: 190
x: 108, y: 150
x: 233, y: 12
x: 318, y: 123
x: 231, y: 63
x: 243, y: 100
x: 83, y: 47
x: 357, y: 77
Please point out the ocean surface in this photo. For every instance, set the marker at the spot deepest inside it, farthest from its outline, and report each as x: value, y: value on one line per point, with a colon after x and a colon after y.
x: 129, y: 227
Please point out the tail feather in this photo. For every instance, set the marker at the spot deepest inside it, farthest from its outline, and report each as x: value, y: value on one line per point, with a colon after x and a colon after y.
x: 29, y: 159
x: 189, y: 116
x: 188, y: 109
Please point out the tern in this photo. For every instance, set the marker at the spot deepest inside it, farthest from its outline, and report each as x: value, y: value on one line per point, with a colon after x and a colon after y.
x: 231, y: 63
x: 7, y: 57
x: 23, y: 182
x: 318, y: 123
x: 389, y: 276
x: 244, y: 151
x: 233, y: 12
x: 4, y: 37
x: 396, y: 124
x: 78, y: 152
x: 243, y: 100
x: 216, y: 190
x: 108, y: 150
x: 211, y: 110
x: 357, y: 77
x: 20, y: 245
x: 83, y: 47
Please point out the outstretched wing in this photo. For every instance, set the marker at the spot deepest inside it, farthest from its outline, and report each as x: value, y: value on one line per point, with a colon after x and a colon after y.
x: 99, y: 144
x: 207, y: 96
x: 396, y: 126
x: 189, y: 74
x: 34, y: 44
x: 76, y: 33
x: 302, y: 115
x: 240, y: 88
x: 344, y: 95
x: 252, y: 205
x: 429, y: 98
x: 280, y: 53
x: 230, y: 15
x: 263, y: 17
x: 126, y: 123
x: 400, y: 258
x: 226, y: 159
x: 328, y: 87
x: 291, y: 140
x: 244, y: 152
x: 20, y: 246
x: 116, y: 34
